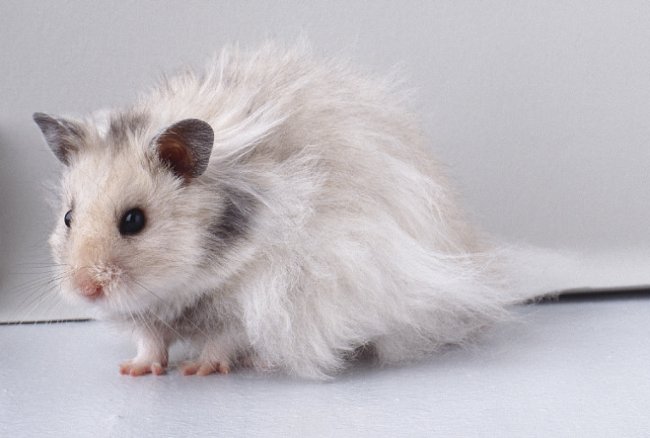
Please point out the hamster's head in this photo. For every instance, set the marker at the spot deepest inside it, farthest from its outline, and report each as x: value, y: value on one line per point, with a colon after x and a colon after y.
x: 133, y: 208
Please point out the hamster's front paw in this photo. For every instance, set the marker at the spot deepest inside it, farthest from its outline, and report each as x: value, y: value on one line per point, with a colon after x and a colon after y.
x: 204, y: 367
x: 135, y: 367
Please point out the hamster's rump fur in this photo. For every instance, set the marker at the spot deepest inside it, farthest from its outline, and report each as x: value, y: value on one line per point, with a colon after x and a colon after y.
x: 321, y: 224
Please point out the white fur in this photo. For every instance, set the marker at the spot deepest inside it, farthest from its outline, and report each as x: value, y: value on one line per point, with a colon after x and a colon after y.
x: 355, y: 238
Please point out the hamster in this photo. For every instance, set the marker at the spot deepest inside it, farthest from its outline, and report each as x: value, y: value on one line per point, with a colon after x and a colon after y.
x: 275, y: 210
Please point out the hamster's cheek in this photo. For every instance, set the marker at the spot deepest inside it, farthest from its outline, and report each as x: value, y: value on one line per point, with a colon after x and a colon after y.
x: 56, y: 246
x: 58, y: 253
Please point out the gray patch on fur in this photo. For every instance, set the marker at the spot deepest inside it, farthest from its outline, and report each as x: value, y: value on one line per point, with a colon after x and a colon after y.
x: 123, y: 123
x: 235, y: 219
x: 201, y: 316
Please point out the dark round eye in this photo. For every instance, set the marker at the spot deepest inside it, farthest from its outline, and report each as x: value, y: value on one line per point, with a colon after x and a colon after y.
x: 132, y: 222
x: 68, y: 218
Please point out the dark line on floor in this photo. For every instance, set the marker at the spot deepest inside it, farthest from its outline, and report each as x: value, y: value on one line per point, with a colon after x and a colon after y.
x: 49, y: 321
x: 596, y: 295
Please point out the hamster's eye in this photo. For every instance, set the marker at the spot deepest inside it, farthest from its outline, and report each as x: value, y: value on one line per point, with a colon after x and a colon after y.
x: 68, y: 218
x: 132, y: 222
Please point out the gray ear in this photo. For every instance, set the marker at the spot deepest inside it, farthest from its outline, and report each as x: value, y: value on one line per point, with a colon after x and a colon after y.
x: 186, y: 147
x: 63, y: 136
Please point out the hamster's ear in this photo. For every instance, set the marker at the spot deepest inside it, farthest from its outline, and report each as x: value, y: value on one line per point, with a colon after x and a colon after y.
x: 185, y: 147
x: 63, y: 136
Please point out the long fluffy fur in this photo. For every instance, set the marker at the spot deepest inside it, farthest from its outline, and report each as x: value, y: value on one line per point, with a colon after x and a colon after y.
x: 345, y: 231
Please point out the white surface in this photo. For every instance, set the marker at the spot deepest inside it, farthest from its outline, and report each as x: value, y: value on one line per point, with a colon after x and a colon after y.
x: 540, y: 108
x: 564, y: 370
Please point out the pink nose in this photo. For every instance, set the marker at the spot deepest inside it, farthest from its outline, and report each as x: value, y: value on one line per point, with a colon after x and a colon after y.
x: 88, y: 287
x: 91, y: 290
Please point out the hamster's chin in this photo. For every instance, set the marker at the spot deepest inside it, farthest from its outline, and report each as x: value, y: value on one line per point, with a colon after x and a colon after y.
x: 92, y: 308
x: 121, y: 302
x: 108, y: 304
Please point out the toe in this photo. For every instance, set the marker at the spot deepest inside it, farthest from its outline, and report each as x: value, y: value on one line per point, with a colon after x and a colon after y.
x: 157, y: 369
x: 139, y: 370
x: 205, y: 369
x: 223, y: 368
x: 189, y: 368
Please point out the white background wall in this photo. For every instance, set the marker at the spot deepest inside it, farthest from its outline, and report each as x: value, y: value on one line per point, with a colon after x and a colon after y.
x: 541, y: 108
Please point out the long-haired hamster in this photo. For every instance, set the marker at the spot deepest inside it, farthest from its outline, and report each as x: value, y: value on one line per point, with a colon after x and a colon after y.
x: 275, y: 210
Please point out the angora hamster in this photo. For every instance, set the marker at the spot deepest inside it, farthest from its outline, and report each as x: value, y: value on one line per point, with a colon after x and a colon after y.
x: 276, y: 210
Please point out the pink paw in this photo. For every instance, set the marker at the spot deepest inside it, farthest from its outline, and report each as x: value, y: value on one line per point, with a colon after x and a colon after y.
x: 200, y: 368
x: 139, y: 368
